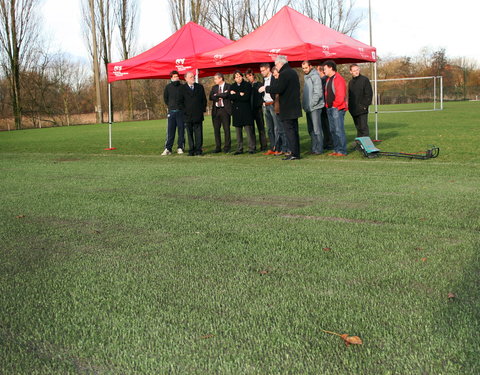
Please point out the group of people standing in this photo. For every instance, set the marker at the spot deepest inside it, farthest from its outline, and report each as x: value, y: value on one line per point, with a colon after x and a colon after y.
x: 276, y: 103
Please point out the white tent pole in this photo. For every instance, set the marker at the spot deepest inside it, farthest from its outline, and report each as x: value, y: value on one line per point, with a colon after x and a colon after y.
x: 110, y: 118
x: 109, y: 115
x: 196, y: 75
x: 376, y: 100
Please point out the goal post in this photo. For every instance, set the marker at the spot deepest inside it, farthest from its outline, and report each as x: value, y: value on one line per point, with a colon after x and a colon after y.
x: 411, y: 94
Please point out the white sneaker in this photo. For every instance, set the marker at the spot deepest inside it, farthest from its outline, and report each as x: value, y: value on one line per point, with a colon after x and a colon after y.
x: 166, y: 152
x: 179, y: 151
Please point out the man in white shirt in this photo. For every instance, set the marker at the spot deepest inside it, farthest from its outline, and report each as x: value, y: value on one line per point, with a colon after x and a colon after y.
x: 276, y: 133
x: 221, y: 112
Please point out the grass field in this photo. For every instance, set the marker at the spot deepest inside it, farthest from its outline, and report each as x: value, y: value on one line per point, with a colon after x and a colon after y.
x: 126, y: 262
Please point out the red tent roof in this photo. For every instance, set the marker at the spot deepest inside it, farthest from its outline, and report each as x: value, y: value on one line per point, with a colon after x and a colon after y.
x: 178, y: 52
x: 288, y: 33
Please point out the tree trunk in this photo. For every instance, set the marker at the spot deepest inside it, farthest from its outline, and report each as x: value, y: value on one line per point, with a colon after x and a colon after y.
x: 15, y: 70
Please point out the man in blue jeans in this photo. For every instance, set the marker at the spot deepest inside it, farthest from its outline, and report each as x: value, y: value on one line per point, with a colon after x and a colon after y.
x: 312, y: 104
x: 276, y: 133
x: 175, y: 116
x: 336, y: 104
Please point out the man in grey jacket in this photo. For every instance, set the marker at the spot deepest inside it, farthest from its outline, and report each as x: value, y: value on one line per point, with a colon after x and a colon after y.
x: 312, y: 104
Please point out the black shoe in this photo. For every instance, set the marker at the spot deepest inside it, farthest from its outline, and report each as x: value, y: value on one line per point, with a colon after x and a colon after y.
x: 238, y: 152
x: 191, y: 154
x: 291, y: 158
x: 217, y: 151
x: 199, y: 153
x: 251, y: 152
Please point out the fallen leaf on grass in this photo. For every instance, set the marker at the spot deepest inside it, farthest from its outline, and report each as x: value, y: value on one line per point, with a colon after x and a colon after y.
x: 207, y: 336
x: 348, y: 340
x: 419, y: 248
x: 422, y: 219
x: 451, y: 296
x: 263, y: 272
x: 355, y: 340
x: 20, y: 216
x: 424, y: 259
x: 326, y: 249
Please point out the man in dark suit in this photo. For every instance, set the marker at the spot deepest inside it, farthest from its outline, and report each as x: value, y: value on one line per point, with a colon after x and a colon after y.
x: 360, y: 96
x: 193, y: 103
x: 221, y: 112
x: 327, y: 135
x: 256, y: 101
x: 288, y: 88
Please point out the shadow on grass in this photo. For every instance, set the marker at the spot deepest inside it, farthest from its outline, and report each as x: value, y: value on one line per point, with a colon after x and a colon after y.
x: 459, y: 321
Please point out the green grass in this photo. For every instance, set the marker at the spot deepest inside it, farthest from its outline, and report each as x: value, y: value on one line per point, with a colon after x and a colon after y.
x: 125, y: 262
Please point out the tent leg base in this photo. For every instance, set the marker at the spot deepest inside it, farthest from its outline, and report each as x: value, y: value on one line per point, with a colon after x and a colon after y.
x: 110, y: 148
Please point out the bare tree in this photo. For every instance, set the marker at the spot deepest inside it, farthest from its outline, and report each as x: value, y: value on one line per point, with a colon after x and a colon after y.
x: 103, y: 20
x: 184, y: 11
x: 336, y: 14
x: 19, y: 30
x: 260, y: 11
x: 126, y: 21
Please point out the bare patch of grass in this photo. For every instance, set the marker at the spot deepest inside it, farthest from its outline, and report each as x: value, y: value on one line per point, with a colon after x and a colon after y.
x: 329, y: 218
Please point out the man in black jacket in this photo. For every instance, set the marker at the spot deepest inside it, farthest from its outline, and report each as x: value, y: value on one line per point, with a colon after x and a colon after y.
x: 193, y: 103
x: 257, y: 110
x: 175, y: 116
x: 359, y: 98
x: 221, y: 112
x: 288, y: 89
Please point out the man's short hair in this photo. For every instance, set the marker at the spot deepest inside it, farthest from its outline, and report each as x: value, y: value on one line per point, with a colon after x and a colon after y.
x: 249, y: 72
x: 354, y: 65
x: 281, y: 59
x: 331, y: 64
x: 274, y: 69
x: 308, y: 62
x: 237, y: 72
x: 266, y: 65
x: 173, y: 72
x: 189, y: 72
x: 219, y: 75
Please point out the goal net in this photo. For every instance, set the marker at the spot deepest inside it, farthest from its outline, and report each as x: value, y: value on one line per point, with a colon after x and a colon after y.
x: 409, y: 94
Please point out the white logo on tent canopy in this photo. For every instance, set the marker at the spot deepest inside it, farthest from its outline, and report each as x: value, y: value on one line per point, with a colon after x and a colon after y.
x: 179, y: 65
x: 218, y: 59
x: 117, y: 71
x: 274, y: 53
x: 326, y: 51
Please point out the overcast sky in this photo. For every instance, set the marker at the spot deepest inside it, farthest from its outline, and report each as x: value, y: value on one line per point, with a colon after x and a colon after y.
x: 400, y: 28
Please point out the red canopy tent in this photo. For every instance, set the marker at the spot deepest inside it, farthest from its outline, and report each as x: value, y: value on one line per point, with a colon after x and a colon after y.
x: 178, y: 52
x: 288, y: 33
x: 295, y: 36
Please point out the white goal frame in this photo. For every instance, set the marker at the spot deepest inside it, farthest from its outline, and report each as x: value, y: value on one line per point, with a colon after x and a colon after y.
x: 375, y: 93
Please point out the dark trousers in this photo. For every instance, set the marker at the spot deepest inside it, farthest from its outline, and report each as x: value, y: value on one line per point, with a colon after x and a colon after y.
x: 195, y: 137
x: 258, y: 117
x: 293, y: 138
x: 327, y: 135
x: 174, y: 123
x: 361, y: 123
x: 222, y: 119
x: 250, y: 130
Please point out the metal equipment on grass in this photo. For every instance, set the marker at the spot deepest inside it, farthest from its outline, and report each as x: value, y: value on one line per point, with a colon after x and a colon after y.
x: 366, y: 146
